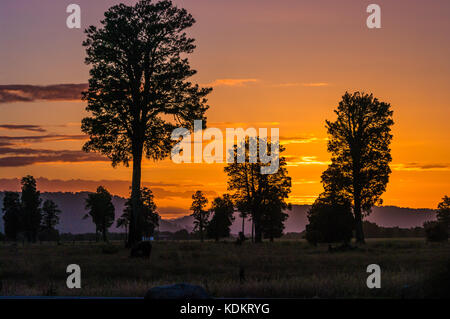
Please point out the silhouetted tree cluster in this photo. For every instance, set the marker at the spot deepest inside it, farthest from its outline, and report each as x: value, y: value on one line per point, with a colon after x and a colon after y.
x: 439, y: 230
x: 443, y: 212
x: 149, y: 218
x: 222, y: 219
x: 101, y: 210
x: 138, y: 88
x: 372, y: 230
x: 22, y: 213
x: 262, y: 196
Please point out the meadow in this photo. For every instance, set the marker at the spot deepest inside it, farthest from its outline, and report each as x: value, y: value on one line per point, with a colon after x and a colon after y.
x: 410, y: 268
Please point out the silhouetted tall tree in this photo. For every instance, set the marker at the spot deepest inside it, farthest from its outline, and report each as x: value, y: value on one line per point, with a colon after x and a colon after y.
x: 443, y: 212
x: 223, y: 210
x: 50, y: 218
x: 101, y: 210
x: 124, y: 221
x: 200, y: 214
x: 359, y: 141
x: 31, y: 210
x: 138, y: 89
x: 256, y: 193
x: 12, y: 210
x: 50, y: 215
x: 149, y: 218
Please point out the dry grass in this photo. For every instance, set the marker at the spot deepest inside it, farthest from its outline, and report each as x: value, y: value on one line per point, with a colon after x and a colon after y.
x: 286, y: 268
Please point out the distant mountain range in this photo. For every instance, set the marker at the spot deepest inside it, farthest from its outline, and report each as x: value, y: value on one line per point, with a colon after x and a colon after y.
x: 73, y: 210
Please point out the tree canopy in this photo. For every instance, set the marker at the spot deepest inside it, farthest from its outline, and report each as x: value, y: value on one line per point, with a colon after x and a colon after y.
x: 101, y: 210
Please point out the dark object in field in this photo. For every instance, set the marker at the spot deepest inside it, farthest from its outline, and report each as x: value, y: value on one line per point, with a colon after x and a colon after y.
x: 177, y: 291
x: 141, y: 249
x: 343, y: 247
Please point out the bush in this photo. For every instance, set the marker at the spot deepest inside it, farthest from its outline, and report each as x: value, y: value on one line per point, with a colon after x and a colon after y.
x: 330, y: 220
x: 436, y: 231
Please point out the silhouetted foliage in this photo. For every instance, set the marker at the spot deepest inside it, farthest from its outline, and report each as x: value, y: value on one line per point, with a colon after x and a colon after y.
x: 359, y: 142
x: 436, y: 231
x: 149, y: 218
x: 50, y: 214
x: 101, y: 210
x: 273, y: 219
x: 219, y: 225
x: 12, y: 210
x: 31, y: 211
x: 50, y: 219
x: 330, y: 220
x: 443, y: 212
x: 255, y: 193
x: 200, y: 214
x: 139, y: 80
x: 372, y: 230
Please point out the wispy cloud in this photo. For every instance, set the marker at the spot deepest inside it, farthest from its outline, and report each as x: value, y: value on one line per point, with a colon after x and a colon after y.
x: 304, y: 160
x: 42, y: 138
x: 232, y: 82
x: 31, y: 93
x: 297, y: 84
x: 18, y: 127
x: 421, y: 167
x: 300, y: 139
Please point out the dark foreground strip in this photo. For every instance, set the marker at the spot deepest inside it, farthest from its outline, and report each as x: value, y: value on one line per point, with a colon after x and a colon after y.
x: 81, y: 307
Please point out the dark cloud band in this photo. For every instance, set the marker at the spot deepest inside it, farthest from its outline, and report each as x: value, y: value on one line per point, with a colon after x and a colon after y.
x: 31, y: 128
x: 30, y: 93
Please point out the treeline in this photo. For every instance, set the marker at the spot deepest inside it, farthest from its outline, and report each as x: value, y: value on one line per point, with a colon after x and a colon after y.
x: 26, y: 218
x: 372, y: 230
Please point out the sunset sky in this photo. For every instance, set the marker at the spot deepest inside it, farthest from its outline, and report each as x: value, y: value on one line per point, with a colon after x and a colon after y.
x: 282, y: 64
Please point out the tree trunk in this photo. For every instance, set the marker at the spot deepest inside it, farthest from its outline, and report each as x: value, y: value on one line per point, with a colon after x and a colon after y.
x: 357, y: 201
x: 358, y: 221
x: 253, y: 231
x: 243, y: 225
x: 134, y: 235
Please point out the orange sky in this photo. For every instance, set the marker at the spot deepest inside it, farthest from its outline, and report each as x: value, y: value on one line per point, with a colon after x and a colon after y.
x: 278, y: 64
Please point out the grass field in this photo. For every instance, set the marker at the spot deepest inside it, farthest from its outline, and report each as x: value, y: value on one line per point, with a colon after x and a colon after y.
x: 410, y: 268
